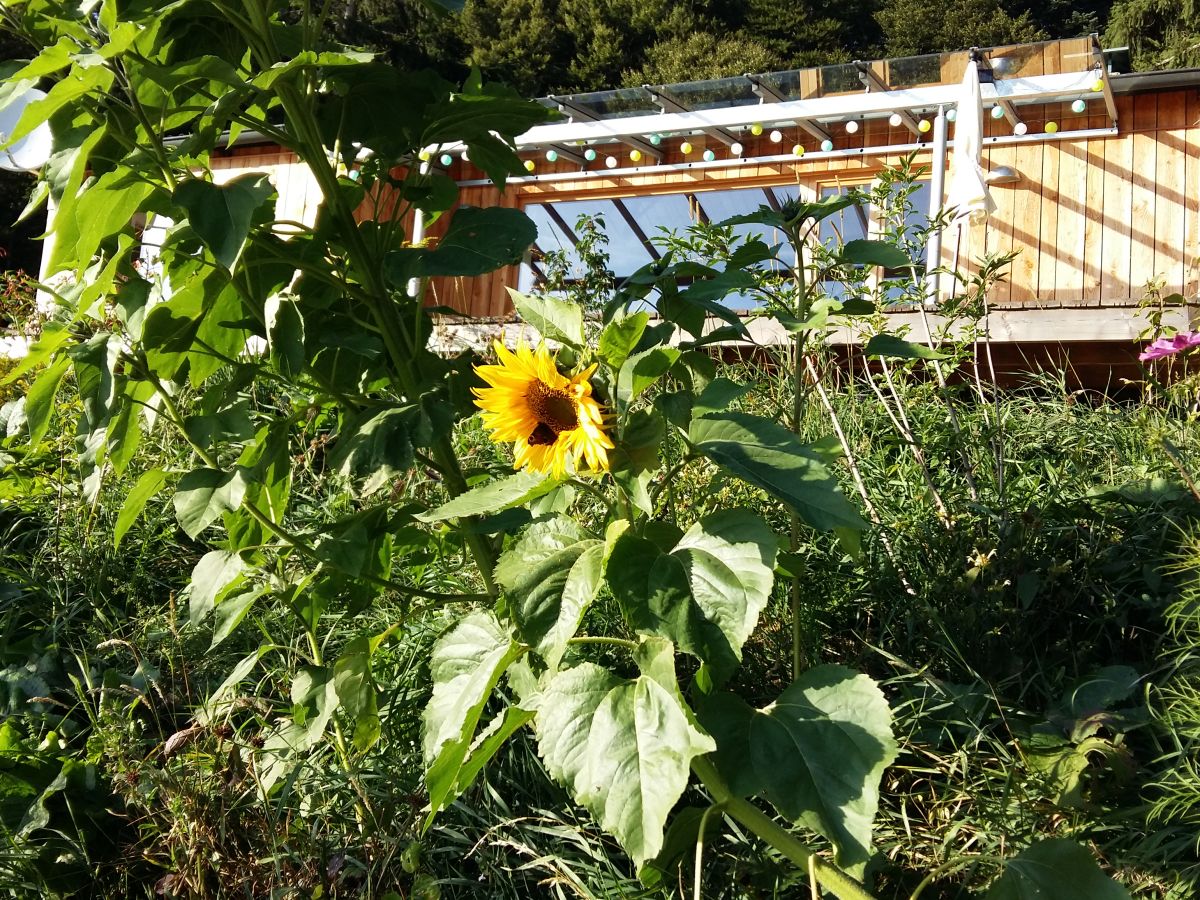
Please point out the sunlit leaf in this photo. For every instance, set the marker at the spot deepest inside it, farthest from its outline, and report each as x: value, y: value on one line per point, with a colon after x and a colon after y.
x: 817, y: 753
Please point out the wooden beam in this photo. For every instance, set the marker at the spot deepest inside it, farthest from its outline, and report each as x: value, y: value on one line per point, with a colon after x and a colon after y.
x: 1102, y: 74
x: 578, y: 112
x: 770, y: 95
x: 557, y: 219
x: 670, y: 104
x: 636, y: 228
x: 873, y: 82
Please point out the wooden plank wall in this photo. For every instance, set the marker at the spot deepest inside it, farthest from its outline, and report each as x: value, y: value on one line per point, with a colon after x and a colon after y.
x: 1093, y: 220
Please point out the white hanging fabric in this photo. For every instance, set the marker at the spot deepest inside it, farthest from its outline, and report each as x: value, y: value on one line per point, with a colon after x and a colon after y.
x: 968, y: 195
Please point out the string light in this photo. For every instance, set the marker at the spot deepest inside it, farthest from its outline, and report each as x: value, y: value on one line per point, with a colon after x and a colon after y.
x: 611, y: 162
x: 635, y: 155
x: 997, y: 112
x: 776, y: 137
x: 924, y: 125
x: 551, y: 156
x: 1079, y: 106
x: 1098, y: 85
x: 736, y: 149
x: 424, y: 156
x: 797, y: 150
x: 951, y: 115
x: 589, y: 154
x: 756, y: 129
x: 851, y: 127
x: 656, y: 139
x: 827, y: 145
x: 709, y: 156
x: 530, y: 165
x: 685, y: 148
x: 1051, y: 128
x: 446, y: 160
x: 1020, y: 128
x: 895, y: 120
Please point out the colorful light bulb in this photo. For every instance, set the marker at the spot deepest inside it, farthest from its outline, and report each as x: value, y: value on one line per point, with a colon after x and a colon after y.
x: 551, y: 156
x: 1051, y: 128
x: 951, y: 115
x: 635, y: 155
x: 611, y: 162
x: 736, y: 149
x: 827, y: 145
x: 530, y: 165
x: 685, y: 148
x: 924, y: 125
x: 852, y: 127
x: 656, y: 139
x: 1020, y: 128
x: 776, y: 137
x: 1079, y: 106
x: 997, y: 112
x: 895, y: 120
x: 589, y: 154
x: 709, y: 156
x: 756, y: 129
x: 797, y: 150
x: 446, y: 160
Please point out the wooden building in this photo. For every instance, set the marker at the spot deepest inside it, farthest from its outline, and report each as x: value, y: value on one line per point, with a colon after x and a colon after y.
x: 1095, y: 175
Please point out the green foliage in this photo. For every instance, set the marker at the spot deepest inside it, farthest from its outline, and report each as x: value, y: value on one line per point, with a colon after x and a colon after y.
x: 911, y: 28
x: 1160, y: 34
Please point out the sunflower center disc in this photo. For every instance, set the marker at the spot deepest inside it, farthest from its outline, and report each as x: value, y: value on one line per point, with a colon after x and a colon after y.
x: 555, y: 411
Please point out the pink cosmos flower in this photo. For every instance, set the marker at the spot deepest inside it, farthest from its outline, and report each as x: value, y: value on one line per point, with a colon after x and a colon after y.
x: 1167, y: 346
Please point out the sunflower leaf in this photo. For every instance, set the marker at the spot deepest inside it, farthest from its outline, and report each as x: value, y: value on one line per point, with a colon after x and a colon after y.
x: 554, y: 319
x: 817, y: 753
x: 1055, y: 868
x: 623, y: 748
x: 706, y: 592
x: 504, y: 493
x: 551, y: 575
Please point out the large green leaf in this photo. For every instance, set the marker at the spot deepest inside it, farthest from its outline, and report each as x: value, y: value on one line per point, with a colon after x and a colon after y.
x: 478, y: 241
x: 641, y: 370
x: 216, y: 574
x: 39, y: 401
x: 148, y: 484
x: 897, y: 348
x: 621, y: 336
x: 873, y: 253
x: 356, y: 690
x: 706, y: 593
x: 203, y: 494
x: 624, y: 748
x: 376, y: 447
x: 817, y: 753
x: 770, y: 457
x: 467, y: 662
x: 221, y: 215
x: 551, y: 575
x: 555, y: 319
x: 503, y: 493
x: 1055, y: 869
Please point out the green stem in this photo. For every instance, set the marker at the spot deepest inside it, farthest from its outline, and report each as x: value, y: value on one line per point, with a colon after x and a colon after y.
x: 802, y: 307
x: 830, y: 877
x: 631, y: 646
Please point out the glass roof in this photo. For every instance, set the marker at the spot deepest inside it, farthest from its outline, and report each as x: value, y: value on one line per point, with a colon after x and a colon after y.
x: 1044, y: 58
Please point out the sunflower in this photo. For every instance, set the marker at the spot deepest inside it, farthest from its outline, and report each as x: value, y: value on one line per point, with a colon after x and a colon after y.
x: 549, y: 418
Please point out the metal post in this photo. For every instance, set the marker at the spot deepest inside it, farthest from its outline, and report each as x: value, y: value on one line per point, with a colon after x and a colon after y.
x: 418, y: 235
x: 937, y: 182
